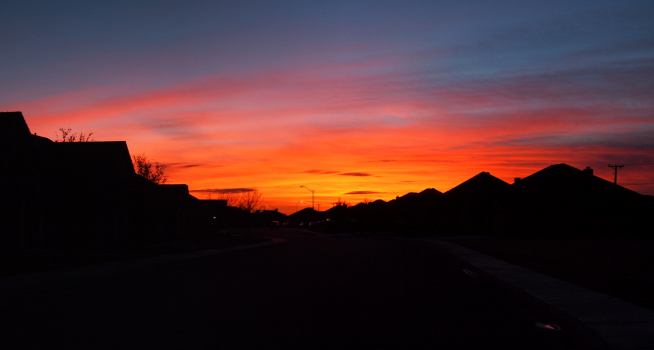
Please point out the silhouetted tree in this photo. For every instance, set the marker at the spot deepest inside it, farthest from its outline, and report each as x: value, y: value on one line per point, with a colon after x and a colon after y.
x: 67, y: 136
x: 231, y: 198
x: 249, y: 200
x: 153, y: 172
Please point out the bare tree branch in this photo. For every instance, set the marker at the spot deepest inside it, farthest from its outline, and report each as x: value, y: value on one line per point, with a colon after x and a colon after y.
x: 232, y: 199
x: 153, y: 172
x: 67, y: 136
x: 250, y: 200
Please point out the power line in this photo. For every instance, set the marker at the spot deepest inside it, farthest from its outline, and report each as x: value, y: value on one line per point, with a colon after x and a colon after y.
x: 615, y: 174
x: 602, y: 171
x: 634, y: 164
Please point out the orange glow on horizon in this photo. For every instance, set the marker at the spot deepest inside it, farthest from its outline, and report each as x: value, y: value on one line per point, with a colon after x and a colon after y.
x: 339, y: 134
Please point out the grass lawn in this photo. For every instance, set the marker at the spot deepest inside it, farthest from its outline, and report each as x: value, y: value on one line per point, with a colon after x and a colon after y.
x: 620, y: 267
x: 41, y: 261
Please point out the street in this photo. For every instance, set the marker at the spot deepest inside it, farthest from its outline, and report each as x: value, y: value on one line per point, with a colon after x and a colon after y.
x: 314, y: 291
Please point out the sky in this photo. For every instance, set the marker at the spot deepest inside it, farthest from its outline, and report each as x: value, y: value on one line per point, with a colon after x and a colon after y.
x: 351, y: 99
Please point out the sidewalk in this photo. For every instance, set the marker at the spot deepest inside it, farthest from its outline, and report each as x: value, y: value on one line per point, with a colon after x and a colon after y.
x: 622, y: 325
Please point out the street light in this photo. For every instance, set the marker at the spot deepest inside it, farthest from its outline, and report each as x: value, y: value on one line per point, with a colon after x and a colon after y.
x: 312, y: 196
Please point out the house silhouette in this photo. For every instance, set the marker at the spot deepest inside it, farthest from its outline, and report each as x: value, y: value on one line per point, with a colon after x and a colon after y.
x: 476, y: 206
x: 87, y: 193
x: 558, y: 200
x: 563, y: 200
x: 80, y: 193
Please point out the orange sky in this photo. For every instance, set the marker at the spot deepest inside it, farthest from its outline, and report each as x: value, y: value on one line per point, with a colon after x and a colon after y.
x: 351, y: 100
x: 276, y: 132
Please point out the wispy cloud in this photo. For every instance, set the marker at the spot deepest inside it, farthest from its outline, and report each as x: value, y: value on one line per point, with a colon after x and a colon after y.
x: 507, y: 90
x: 355, y: 174
x: 185, y: 165
x: 363, y: 192
x: 224, y: 190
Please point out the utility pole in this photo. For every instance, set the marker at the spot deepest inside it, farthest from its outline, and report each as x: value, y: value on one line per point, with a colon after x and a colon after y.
x: 615, y: 172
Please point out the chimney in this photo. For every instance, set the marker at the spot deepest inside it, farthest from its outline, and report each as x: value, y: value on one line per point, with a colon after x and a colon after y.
x: 516, y: 180
x: 588, y: 171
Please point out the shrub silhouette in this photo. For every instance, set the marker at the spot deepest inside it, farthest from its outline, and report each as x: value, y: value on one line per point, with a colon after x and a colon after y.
x: 67, y: 136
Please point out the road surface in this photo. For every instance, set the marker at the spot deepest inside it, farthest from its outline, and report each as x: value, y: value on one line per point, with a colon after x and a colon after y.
x: 314, y: 291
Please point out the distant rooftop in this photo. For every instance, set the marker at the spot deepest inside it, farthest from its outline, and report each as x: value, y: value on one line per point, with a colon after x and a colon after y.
x: 12, y: 124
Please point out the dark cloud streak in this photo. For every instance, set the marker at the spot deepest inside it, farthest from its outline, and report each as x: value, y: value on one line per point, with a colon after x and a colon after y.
x: 224, y: 190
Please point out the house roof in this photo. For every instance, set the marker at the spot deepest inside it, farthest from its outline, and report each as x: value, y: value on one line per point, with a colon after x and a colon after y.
x: 306, y: 214
x: 378, y: 204
x: 14, y: 134
x: 13, y: 123
x: 431, y: 192
x: 102, y: 159
x: 481, y: 185
x: 562, y: 181
x: 176, y: 193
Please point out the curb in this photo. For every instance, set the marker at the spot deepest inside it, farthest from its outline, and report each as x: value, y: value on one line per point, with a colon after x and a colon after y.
x: 620, y: 324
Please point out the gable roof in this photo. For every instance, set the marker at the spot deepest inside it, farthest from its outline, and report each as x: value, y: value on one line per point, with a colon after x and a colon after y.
x: 564, y: 181
x: 306, y: 214
x: 481, y: 185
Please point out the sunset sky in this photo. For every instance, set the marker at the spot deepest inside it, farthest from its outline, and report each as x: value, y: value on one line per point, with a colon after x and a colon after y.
x: 353, y: 99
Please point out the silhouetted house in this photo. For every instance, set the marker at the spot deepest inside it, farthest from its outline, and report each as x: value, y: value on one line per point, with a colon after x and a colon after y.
x: 359, y: 211
x: 337, y: 212
x: 305, y: 216
x: 80, y: 193
x: 415, y: 213
x: 476, y: 206
x: 215, y: 214
x: 21, y: 203
x: 215, y: 209
x: 563, y: 200
x: 176, y: 200
x: 378, y: 211
x: 263, y: 218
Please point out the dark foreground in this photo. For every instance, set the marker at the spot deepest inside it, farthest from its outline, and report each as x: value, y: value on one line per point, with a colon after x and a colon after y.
x: 27, y: 262
x: 620, y: 267
x: 313, y: 292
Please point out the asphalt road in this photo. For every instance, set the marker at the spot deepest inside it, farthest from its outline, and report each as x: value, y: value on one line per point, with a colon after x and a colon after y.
x: 312, y: 292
